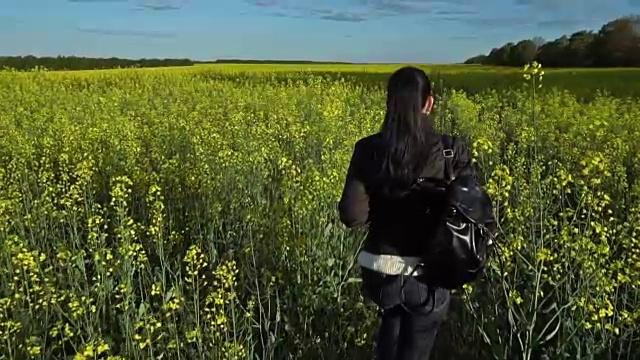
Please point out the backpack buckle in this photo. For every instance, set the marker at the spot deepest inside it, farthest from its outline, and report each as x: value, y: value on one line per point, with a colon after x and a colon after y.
x: 448, y: 153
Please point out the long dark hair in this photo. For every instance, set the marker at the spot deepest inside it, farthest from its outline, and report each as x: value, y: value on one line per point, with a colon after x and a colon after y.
x: 405, y: 131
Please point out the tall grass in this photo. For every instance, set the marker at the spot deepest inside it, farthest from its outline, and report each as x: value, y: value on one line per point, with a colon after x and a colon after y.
x: 192, y: 216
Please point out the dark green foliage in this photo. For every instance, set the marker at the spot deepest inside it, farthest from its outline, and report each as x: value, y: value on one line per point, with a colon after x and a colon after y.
x: 617, y: 44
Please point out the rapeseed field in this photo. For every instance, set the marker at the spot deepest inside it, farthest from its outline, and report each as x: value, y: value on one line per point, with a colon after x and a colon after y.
x: 191, y: 214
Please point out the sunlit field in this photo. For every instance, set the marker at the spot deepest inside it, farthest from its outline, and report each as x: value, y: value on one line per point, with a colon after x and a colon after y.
x: 190, y: 213
x: 584, y: 83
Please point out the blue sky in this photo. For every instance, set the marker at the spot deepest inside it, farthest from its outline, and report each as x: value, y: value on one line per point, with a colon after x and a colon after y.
x: 424, y: 31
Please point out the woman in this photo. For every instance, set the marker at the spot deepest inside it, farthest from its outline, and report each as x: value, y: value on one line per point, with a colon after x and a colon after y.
x: 380, y: 192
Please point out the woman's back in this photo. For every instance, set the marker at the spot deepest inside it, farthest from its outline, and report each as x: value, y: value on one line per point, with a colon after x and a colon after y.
x: 398, y: 217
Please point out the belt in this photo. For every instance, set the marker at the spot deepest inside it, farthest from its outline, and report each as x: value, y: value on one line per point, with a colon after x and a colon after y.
x: 390, y: 264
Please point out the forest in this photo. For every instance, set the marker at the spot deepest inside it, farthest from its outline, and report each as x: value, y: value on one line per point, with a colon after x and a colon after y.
x: 616, y: 44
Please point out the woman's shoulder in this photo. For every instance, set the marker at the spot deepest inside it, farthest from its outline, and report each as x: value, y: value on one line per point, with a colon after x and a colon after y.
x: 368, y: 143
x: 457, y: 143
x: 373, y: 139
x: 462, y: 154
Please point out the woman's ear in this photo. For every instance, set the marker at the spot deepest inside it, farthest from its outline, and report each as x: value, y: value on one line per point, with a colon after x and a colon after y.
x: 429, y: 105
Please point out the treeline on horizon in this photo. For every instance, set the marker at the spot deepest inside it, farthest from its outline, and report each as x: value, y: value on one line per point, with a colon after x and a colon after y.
x: 616, y: 44
x: 30, y: 62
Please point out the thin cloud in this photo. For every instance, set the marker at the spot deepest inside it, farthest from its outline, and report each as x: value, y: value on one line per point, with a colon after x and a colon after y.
x: 493, y: 22
x: 291, y: 16
x: 128, y: 32
x: 320, y: 13
x: 140, y: 5
x: 546, y: 4
x: 363, y: 10
x: 408, y: 7
x: 98, y: 1
x: 559, y: 23
x: 399, y: 7
x: 602, y: 7
x: 154, y: 7
x: 264, y: 3
x: 283, y: 14
x: 344, y: 17
x: 160, y: 5
x: 456, y: 12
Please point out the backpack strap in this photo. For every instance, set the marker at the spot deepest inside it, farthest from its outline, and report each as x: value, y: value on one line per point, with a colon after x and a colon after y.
x: 448, y: 153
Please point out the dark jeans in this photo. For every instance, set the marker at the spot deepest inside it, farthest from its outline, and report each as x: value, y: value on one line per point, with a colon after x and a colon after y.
x: 407, y: 332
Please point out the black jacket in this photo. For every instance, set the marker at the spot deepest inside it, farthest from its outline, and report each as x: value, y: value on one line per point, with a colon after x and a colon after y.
x: 396, y: 226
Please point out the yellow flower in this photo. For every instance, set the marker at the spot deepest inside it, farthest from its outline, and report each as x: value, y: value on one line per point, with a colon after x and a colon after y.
x: 102, y: 348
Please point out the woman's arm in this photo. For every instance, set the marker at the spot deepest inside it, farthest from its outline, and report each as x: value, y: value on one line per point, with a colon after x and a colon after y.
x: 354, y: 203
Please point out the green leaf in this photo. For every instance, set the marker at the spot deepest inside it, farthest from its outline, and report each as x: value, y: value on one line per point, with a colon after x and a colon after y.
x: 142, y: 310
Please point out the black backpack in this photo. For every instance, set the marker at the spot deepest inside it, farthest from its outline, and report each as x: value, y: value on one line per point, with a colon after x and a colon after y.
x: 457, y: 248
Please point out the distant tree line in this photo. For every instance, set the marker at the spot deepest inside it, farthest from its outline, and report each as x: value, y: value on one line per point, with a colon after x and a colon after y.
x: 617, y: 44
x: 29, y: 62
x: 24, y: 63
